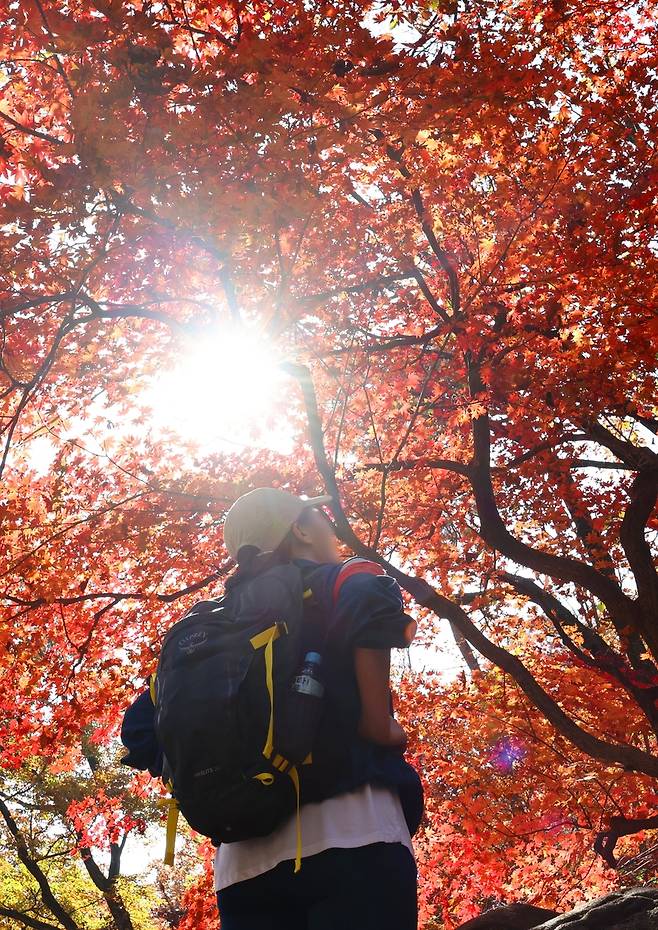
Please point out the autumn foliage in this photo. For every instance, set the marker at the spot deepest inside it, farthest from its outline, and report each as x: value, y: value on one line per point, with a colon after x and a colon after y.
x: 442, y: 217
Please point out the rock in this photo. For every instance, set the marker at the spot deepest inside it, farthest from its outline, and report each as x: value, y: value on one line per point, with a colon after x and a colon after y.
x: 631, y: 909
x: 511, y: 917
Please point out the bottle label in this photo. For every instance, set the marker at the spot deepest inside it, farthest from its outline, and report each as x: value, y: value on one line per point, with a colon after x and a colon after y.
x: 305, y: 684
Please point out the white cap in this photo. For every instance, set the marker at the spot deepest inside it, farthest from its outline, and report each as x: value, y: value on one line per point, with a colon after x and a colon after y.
x: 262, y: 518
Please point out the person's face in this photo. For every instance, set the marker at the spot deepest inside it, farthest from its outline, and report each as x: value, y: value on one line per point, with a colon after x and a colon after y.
x: 315, y: 537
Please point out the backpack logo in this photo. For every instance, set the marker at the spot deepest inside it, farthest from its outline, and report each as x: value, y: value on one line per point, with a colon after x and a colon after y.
x: 192, y: 641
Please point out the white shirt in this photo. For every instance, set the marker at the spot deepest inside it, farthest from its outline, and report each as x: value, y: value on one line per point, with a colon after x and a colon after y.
x: 370, y: 814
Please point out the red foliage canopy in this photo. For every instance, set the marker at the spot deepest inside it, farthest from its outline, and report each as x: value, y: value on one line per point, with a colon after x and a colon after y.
x: 448, y: 229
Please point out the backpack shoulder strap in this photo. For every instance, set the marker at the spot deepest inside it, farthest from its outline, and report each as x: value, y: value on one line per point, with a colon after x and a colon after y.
x: 354, y: 566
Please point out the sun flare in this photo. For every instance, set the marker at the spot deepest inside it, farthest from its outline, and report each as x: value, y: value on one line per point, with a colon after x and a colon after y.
x: 223, y: 391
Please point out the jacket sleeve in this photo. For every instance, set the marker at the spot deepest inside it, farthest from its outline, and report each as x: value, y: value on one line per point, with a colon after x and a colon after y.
x: 368, y: 609
x: 138, y: 736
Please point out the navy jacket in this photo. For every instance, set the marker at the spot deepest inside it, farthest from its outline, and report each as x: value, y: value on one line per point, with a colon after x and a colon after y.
x: 368, y: 611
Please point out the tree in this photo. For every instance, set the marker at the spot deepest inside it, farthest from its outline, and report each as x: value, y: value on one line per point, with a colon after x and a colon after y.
x: 514, y: 811
x: 448, y: 229
x: 57, y: 828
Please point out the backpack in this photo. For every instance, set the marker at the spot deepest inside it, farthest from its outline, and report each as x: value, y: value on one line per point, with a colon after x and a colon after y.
x: 223, y: 669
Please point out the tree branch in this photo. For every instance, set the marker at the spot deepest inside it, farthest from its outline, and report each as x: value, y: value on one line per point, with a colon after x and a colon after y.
x: 605, y: 842
x: 631, y: 758
x: 33, y: 868
x: 394, y: 342
x: 444, y: 261
x: 623, y: 610
x: 107, y: 886
x: 30, y: 132
x: 405, y: 464
x: 117, y: 596
x: 604, y: 658
x: 636, y: 457
x: 461, y: 469
x: 589, y: 536
x: 25, y: 919
x: 643, y: 494
x: 345, y: 531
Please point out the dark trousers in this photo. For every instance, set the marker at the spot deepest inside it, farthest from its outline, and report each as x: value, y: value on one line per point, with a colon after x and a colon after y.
x: 369, y: 887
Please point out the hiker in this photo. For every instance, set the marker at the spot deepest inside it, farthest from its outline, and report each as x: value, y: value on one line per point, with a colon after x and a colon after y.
x: 344, y: 858
x: 359, y: 870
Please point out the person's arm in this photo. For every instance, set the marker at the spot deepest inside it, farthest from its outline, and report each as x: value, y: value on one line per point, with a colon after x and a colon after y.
x: 372, y: 667
x: 369, y: 620
x: 139, y: 738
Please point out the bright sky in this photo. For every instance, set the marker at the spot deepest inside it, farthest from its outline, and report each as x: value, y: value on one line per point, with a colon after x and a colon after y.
x: 220, y: 395
x: 221, y: 390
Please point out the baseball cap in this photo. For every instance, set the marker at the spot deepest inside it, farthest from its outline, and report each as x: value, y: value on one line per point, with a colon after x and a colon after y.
x: 262, y: 518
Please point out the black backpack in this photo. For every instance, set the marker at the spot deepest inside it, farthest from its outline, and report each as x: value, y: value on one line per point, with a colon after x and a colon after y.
x: 219, y: 693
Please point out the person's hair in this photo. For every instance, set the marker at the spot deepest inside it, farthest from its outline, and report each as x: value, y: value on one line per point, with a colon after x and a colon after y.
x: 251, y: 560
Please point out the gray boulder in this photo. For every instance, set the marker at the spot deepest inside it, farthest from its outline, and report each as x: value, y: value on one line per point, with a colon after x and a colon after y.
x: 511, y: 917
x: 632, y: 909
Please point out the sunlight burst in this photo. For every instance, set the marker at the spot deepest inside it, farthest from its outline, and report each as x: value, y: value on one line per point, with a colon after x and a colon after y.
x: 224, y: 393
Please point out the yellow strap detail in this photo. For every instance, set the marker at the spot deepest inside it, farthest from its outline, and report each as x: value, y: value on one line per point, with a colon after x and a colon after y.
x: 295, y: 780
x: 308, y: 593
x: 280, y: 763
x: 172, y: 824
x: 261, y: 639
x: 152, y: 687
x: 266, y: 777
x: 266, y: 638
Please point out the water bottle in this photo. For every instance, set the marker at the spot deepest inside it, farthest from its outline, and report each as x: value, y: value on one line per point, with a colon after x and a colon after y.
x: 308, y: 681
x: 302, y: 711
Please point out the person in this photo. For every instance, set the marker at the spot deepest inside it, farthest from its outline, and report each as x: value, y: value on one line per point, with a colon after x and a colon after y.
x: 358, y: 868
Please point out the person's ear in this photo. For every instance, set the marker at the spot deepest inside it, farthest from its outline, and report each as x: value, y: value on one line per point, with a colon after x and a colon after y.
x: 300, y: 532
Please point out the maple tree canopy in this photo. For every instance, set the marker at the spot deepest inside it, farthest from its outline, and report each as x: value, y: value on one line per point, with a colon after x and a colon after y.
x: 445, y: 231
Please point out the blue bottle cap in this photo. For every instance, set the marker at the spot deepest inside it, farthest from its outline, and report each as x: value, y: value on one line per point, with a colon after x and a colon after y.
x: 313, y: 657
